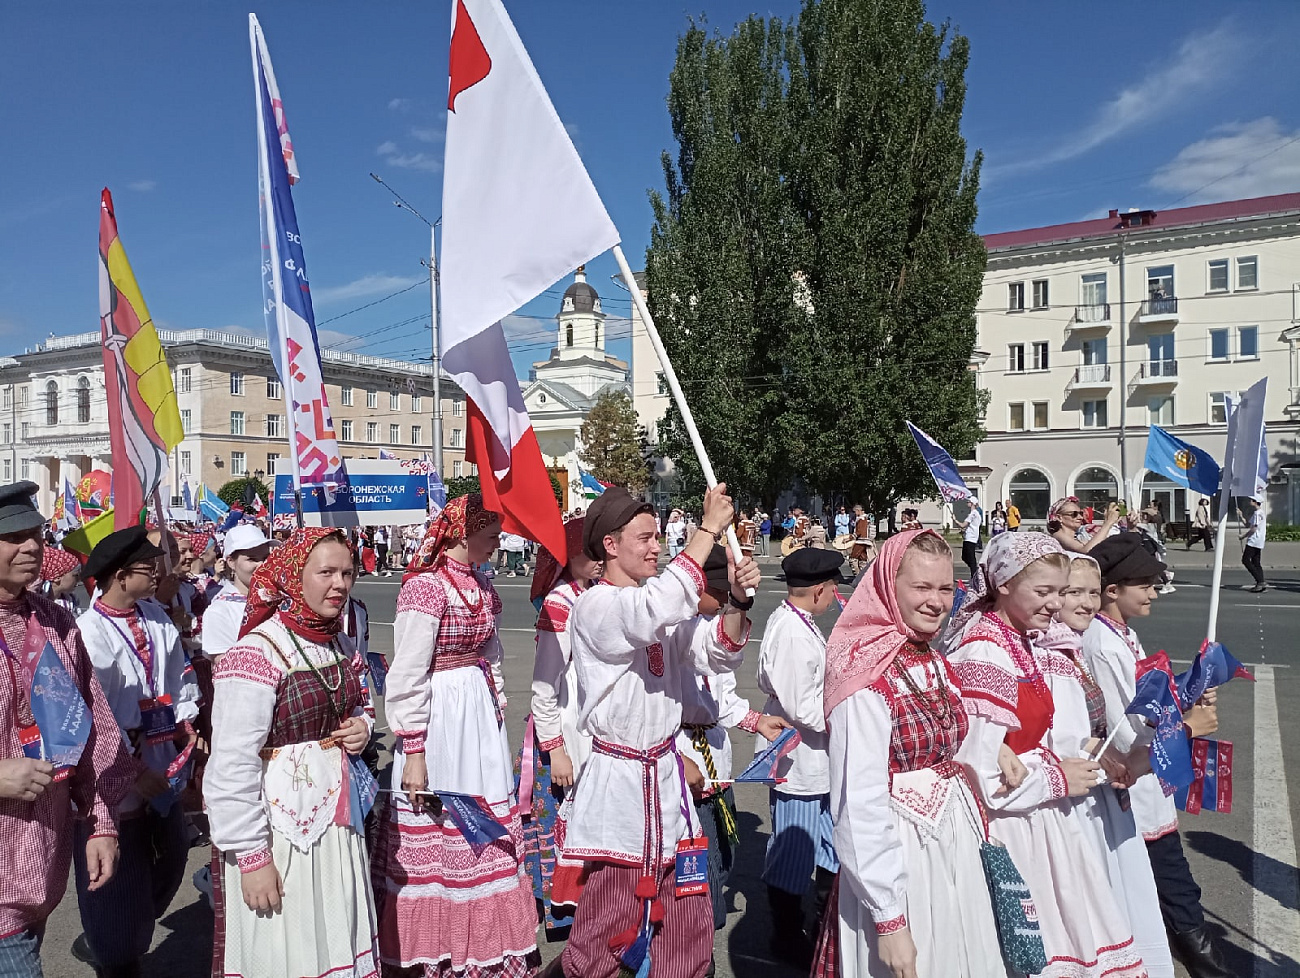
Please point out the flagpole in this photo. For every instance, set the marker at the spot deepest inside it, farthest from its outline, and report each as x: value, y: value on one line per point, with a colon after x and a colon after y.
x: 1221, y: 539
x: 670, y: 375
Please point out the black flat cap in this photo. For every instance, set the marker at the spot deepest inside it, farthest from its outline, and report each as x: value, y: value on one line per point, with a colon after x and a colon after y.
x: 119, y: 549
x: 613, y: 509
x: 1126, y: 557
x: 17, y: 511
x: 810, y: 566
x: 715, y: 569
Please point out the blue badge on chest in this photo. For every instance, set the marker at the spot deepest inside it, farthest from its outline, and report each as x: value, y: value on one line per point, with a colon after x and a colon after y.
x: 692, y: 874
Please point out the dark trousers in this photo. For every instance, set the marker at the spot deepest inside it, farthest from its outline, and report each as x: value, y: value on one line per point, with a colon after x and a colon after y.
x: 381, y: 553
x: 721, y: 856
x: 1199, y: 534
x: 1250, y: 560
x: 970, y: 556
x: 1180, y: 897
x: 118, y: 918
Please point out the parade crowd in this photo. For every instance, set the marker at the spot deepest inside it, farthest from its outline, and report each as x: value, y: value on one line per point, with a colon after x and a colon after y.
x: 956, y: 788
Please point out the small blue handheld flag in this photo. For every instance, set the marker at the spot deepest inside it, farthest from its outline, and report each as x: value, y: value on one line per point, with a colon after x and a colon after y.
x: 473, y: 816
x: 1157, y: 701
x: 763, y: 767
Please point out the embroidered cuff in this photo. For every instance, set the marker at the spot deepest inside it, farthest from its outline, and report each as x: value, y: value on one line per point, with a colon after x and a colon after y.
x: 550, y: 745
x: 412, y: 743
x: 725, y: 640
x: 750, y: 722
x: 250, y: 862
x: 109, y: 832
x: 687, y: 565
x: 1056, y: 786
x: 891, y: 926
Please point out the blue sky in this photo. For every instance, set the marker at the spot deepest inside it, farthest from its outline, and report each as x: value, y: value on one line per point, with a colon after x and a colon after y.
x: 1077, y: 107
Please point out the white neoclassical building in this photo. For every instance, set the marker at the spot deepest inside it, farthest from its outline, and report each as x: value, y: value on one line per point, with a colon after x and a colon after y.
x: 562, y: 389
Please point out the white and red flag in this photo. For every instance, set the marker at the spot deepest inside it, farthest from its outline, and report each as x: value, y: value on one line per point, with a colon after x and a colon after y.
x: 518, y: 213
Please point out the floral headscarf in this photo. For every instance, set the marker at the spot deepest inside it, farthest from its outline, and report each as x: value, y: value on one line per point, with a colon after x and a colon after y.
x: 870, y: 630
x: 1054, y: 514
x: 462, y: 517
x: 549, y: 570
x: 276, y: 587
x: 57, y: 562
x: 1006, y: 555
x: 199, y: 543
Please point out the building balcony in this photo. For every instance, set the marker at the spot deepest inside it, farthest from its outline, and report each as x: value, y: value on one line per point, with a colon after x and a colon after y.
x: 1157, y: 373
x: 1094, y: 317
x: 1090, y: 377
x: 1159, y: 311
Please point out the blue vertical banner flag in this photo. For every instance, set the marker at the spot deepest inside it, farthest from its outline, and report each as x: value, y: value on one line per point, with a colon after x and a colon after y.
x: 1181, y: 462
x: 942, y: 467
x: 286, y: 292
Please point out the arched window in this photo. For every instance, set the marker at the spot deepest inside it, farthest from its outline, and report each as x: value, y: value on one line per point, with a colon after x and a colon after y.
x: 1096, y: 487
x: 52, y: 404
x: 568, y: 334
x: 83, y: 400
x: 1032, y: 493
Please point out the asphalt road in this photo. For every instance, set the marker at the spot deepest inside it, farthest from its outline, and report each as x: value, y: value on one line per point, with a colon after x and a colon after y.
x: 1245, y: 862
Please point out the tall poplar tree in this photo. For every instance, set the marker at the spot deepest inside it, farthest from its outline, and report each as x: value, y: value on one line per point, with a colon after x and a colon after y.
x: 611, y: 442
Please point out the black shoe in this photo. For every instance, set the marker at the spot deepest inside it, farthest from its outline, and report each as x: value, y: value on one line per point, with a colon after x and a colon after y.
x: 1198, y: 954
x: 790, y: 943
x: 82, y: 952
x: 1259, y: 589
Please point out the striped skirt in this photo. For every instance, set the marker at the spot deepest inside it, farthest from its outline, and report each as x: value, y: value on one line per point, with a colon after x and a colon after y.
x: 800, y: 841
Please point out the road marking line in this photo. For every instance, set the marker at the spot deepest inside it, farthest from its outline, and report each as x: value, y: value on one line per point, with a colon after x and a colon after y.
x: 1273, y: 874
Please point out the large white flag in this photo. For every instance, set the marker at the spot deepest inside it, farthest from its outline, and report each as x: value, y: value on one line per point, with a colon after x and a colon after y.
x: 1241, y: 462
x: 518, y: 212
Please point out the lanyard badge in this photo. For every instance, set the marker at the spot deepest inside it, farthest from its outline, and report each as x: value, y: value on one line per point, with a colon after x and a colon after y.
x: 692, y: 875
x: 157, y: 719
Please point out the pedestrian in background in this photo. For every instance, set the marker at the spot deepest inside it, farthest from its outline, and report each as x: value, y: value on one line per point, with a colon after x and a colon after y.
x: 1202, y: 526
x: 1253, y: 534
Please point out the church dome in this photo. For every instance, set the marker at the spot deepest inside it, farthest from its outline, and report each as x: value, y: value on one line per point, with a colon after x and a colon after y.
x: 579, y: 296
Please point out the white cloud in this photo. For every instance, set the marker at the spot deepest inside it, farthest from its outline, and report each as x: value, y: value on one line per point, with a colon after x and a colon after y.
x: 367, y: 285
x: 386, y: 148
x: 393, y: 156
x: 399, y: 104
x: 334, y: 339
x: 142, y: 186
x: 426, y: 134
x: 1201, y: 60
x: 1237, y: 160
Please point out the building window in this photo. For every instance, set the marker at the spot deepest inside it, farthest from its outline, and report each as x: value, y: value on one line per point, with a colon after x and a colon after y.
x: 1161, y: 410
x: 186, y: 415
x: 275, y: 426
x: 394, y: 434
x: 8, y: 432
x: 52, y: 403
x: 457, y: 436
x: 1016, y: 416
x: 274, y: 391
x: 416, y: 434
x: 236, y: 422
x: 1040, y: 293
x: 1160, y: 282
x: 237, y: 385
x: 1015, y: 358
x: 1094, y: 414
x: 24, y: 428
x: 9, y: 398
x: 1218, y: 269
x: 1094, y: 352
x: 83, y: 400
x: 1092, y: 290
x: 1031, y: 492
x: 347, y: 429
x: 22, y: 396
x: 187, y: 463
x: 184, y: 380
x: 1040, y: 355
x: 372, y: 399
x: 26, y: 468
x: 1016, y: 297
x: 416, y: 403
x: 1160, y: 351
x: 1248, y: 272
x: 271, y: 459
x: 568, y: 334
x: 1247, y: 342
x: 394, y: 401
x: 1220, y: 344
x: 457, y: 409
x: 372, y: 431
x: 345, y: 395
x: 238, y: 463
x: 9, y: 470
x: 457, y: 470
x: 1218, y: 407
x: 1096, y: 487
x: 1040, y: 415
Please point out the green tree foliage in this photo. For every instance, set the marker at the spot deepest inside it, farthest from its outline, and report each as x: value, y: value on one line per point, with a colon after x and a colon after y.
x: 233, y: 491
x: 814, y: 267
x: 611, y: 442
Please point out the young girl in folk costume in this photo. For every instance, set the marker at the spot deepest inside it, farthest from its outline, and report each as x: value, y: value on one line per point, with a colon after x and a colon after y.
x: 554, y: 748
x: 60, y: 575
x: 1032, y: 698
x: 284, y: 793
x: 442, y: 905
x: 911, y: 898
x: 1107, y: 810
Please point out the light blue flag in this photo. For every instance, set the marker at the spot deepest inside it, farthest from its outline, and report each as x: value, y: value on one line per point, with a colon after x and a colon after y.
x: 187, y: 499
x: 1180, y: 462
x: 591, y: 486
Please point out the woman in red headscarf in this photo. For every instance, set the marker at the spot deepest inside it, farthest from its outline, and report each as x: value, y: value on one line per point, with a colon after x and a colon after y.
x: 911, y: 898
x: 60, y: 574
x: 451, y: 904
x: 286, y: 792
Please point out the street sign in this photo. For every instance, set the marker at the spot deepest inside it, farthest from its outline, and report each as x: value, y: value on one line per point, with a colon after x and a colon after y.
x: 379, y: 493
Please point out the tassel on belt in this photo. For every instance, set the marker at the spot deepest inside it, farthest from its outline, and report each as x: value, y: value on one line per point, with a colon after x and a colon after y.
x: 699, y: 734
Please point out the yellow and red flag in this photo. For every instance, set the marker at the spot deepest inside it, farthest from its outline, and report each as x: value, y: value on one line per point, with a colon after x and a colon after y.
x: 143, y: 419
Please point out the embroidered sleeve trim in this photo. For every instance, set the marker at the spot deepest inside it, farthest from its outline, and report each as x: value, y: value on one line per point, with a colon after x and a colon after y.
x: 891, y: 926
x: 725, y: 640
x: 1056, y: 785
x: 685, y: 563
x: 550, y: 745
x: 750, y: 721
x: 554, y: 616
x: 412, y: 743
x: 108, y: 832
x: 250, y: 862
x: 424, y: 593
x: 248, y: 664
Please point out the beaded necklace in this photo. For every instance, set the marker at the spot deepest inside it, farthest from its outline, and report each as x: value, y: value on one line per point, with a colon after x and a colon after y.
x: 935, y: 702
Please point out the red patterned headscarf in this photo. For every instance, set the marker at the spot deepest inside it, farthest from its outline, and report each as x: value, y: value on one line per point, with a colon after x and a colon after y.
x: 57, y: 562
x: 199, y: 543
x: 549, y: 570
x: 462, y: 517
x: 276, y: 587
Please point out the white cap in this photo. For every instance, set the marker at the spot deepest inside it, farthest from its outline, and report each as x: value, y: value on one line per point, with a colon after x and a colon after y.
x: 245, y: 536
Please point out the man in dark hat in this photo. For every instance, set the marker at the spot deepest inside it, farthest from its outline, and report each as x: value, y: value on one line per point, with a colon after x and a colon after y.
x: 637, y: 642
x: 792, y: 670
x: 37, y: 802
x: 136, y: 650
x: 1130, y: 574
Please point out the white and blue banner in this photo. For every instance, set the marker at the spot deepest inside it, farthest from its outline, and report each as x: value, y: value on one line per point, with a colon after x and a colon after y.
x: 378, y: 493
x: 942, y: 467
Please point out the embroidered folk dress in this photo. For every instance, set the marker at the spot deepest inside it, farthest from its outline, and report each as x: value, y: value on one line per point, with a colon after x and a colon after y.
x: 440, y: 905
x: 277, y: 789
x: 1033, y: 699
x: 907, y: 828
